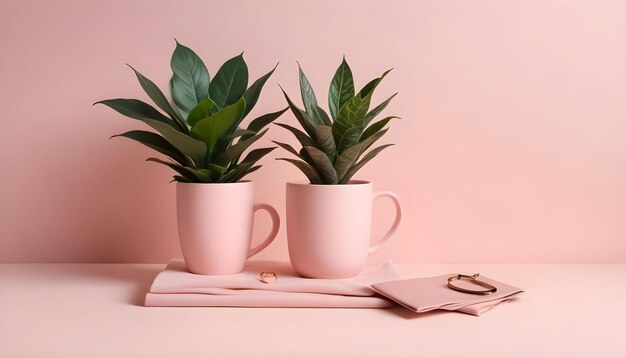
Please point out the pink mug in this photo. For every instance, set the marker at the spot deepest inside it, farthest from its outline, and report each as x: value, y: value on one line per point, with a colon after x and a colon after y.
x: 328, y: 227
x: 215, y: 226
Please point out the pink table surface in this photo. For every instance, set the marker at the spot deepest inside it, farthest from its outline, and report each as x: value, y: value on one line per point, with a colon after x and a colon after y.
x: 95, y: 310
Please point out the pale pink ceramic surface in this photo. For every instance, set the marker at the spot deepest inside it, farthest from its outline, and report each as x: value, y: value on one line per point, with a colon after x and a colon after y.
x: 215, y: 226
x: 329, y: 226
x: 97, y: 311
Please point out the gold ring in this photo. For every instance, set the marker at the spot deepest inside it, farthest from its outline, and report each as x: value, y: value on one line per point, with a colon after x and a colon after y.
x: 489, y: 288
x: 268, y: 277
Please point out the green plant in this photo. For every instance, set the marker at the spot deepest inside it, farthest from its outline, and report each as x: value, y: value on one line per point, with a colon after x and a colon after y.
x: 333, y: 150
x: 200, y: 130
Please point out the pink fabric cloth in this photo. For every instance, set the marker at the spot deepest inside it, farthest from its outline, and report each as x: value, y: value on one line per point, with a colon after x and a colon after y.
x: 175, y: 286
x: 431, y: 293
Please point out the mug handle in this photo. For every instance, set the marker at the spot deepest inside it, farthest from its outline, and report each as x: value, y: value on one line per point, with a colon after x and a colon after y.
x: 275, y: 227
x: 379, y: 245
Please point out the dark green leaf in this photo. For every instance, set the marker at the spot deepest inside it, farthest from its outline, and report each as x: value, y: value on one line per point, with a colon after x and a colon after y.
x: 239, y: 172
x: 369, y: 88
x: 254, y: 91
x: 236, y: 150
x: 355, y: 168
x: 189, y: 146
x: 136, y: 109
x: 256, y: 154
x: 260, y: 122
x: 304, y: 139
x: 158, y: 143
x: 240, y: 132
x: 326, y: 142
x: 349, y: 124
x: 230, y: 82
x: 346, y: 159
x: 374, y: 112
x: 341, y: 88
x: 194, y: 175
x: 324, y: 116
x: 302, y: 154
x: 190, y: 79
x: 211, y: 128
x: 159, y: 98
x: 181, y: 179
x: 217, y: 169
x: 287, y: 147
x: 309, y: 100
x: 307, y: 93
x: 301, y: 116
x: 251, y: 170
x: 224, y: 142
x: 203, y: 175
x: 205, y: 108
x: 308, y: 170
x: 139, y: 110
x: 367, y: 142
x: 233, y: 175
x: 246, y: 172
x: 180, y: 113
x: 323, y: 165
x: 375, y: 128
x: 306, y: 157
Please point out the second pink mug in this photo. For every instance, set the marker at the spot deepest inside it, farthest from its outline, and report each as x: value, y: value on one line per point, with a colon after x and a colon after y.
x: 328, y: 227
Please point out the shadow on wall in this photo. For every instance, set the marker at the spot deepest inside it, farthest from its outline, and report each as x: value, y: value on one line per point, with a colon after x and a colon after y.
x: 103, y: 203
x: 126, y: 206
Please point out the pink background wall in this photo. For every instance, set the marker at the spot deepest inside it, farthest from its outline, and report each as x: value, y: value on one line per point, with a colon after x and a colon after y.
x: 512, y: 145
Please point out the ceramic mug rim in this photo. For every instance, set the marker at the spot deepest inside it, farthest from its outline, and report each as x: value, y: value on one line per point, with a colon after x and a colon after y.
x: 241, y: 182
x: 351, y: 183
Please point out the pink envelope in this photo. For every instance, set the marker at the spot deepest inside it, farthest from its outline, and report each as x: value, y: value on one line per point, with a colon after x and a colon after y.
x: 176, y: 287
x: 430, y: 293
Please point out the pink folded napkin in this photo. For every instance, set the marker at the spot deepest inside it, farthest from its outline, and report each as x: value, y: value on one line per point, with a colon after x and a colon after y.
x: 176, y: 287
x: 431, y: 293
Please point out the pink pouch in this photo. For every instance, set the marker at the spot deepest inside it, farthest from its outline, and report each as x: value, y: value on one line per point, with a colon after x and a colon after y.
x: 430, y: 293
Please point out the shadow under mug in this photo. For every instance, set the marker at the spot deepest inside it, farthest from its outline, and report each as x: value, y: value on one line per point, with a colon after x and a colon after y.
x: 329, y: 227
x: 215, y: 224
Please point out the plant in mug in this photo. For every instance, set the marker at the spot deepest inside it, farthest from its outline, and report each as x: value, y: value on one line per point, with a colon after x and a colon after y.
x: 200, y: 130
x: 335, y: 147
